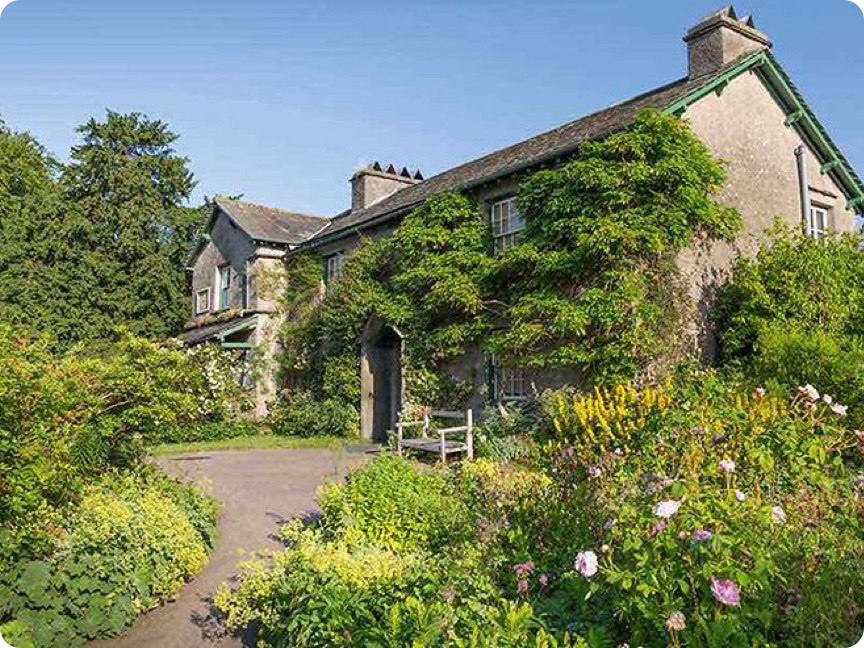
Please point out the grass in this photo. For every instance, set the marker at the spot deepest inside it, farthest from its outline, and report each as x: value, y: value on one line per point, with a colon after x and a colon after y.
x: 257, y: 442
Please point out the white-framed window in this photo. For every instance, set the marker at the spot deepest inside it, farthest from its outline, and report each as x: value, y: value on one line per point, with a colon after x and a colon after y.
x: 819, y: 222
x: 507, y: 223
x: 202, y: 301
x: 334, y: 266
x: 511, y: 384
x: 224, y: 287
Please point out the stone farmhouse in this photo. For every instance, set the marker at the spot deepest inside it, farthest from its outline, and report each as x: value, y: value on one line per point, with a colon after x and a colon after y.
x: 736, y: 97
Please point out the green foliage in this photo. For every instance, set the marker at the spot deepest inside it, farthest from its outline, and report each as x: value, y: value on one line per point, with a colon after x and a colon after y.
x: 30, y: 202
x: 505, y: 434
x: 426, y: 280
x: 130, y: 544
x: 65, y: 419
x: 794, y: 315
x: 793, y: 281
x: 300, y: 414
x: 394, y: 504
x: 221, y: 430
x: 667, y: 486
x: 593, y: 285
x: 790, y: 563
x: 107, y: 236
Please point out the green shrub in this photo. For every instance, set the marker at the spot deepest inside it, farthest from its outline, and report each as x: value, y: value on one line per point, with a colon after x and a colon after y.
x: 699, y: 512
x: 794, y: 282
x: 66, y: 419
x: 131, y: 544
x: 326, y: 594
x: 211, y: 431
x: 794, y: 315
x: 395, y: 504
x: 300, y: 414
x: 504, y: 434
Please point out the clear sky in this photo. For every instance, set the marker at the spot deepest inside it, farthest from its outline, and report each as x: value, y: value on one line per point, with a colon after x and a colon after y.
x: 282, y: 100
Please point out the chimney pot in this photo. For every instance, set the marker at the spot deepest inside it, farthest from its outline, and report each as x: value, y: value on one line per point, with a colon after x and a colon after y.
x: 720, y: 38
x: 373, y: 183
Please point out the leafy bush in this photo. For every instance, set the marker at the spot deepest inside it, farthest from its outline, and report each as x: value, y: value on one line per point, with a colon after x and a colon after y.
x: 320, y: 594
x: 300, y: 414
x: 395, y: 504
x: 211, y: 431
x: 793, y: 281
x: 66, y: 419
x: 795, y: 314
x: 504, y: 434
x: 130, y: 544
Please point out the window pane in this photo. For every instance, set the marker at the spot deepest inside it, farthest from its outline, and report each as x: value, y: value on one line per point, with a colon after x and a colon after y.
x: 335, y: 265
x: 225, y: 287
x: 818, y: 223
x: 506, y: 222
x: 511, y: 383
x: 202, y: 301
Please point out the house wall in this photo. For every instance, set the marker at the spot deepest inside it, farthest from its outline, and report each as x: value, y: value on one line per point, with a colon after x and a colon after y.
x: 262, y: 267
x: 266, y: 271
x: 205, y: 274
x: 235, y: 245
x: 745, y: 126
x: 265, y: 341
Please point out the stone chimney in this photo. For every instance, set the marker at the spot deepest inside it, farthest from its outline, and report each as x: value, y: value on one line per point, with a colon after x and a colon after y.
x: 374, y: 183
x: 720, y: 38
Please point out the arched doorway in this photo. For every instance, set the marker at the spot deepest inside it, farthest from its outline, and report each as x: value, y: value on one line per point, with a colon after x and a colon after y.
x: 381, y: 380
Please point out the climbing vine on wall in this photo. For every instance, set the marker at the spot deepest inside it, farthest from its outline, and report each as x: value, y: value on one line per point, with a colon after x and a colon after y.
x: 427, y: 280
x: 592, y: 287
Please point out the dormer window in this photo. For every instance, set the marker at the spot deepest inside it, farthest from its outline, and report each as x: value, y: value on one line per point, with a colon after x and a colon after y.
x: 819, y: 222
x: 507, y: 224
x: 335, y: 263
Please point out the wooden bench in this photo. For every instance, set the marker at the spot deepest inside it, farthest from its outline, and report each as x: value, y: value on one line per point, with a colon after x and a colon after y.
x: 439, y: 443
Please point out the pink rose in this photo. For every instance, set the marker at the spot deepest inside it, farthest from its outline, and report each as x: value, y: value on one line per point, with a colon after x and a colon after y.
x: 725, y: 591
x: 586, y: 563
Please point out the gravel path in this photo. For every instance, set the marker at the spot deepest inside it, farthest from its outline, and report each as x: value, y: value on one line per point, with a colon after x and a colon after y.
x: 258, y: 490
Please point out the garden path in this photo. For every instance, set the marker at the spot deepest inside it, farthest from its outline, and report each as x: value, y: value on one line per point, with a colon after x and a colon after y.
x: 258, y: 491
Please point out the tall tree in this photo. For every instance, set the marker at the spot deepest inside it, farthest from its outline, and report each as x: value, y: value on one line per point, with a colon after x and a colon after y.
x: 127, y: 187
x: 31, y: 286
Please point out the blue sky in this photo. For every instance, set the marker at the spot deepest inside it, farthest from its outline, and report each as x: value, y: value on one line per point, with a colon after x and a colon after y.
x: 280, y: 101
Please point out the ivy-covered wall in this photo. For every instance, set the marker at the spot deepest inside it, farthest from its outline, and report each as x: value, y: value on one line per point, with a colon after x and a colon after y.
x: 591, y: 290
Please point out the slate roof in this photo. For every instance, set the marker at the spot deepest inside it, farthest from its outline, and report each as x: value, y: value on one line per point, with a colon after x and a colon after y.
x: 541, y: 149
x: 270, y: 225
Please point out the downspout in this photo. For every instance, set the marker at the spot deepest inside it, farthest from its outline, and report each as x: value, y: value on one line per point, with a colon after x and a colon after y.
x: 804, y: 187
